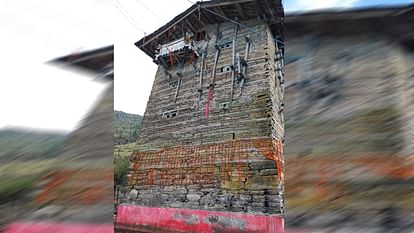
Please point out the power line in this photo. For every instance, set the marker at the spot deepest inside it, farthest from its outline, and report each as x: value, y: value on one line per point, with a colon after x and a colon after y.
x: 128, y: 16
x: 148, y: 9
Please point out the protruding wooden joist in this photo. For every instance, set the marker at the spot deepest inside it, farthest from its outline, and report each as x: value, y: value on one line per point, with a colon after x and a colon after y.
x: 190, y: 25
x: 271, y: 8
x: 219, y: 10
x: 241, y: 12
x: 168, y: 28
x: 206, y: 15
x: 197, y: 22
x: 260, y: 10
x: 224, y: 3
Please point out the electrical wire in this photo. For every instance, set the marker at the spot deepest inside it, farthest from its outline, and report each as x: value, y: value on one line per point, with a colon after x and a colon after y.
x: 128, y: 17
x: 149, y: 10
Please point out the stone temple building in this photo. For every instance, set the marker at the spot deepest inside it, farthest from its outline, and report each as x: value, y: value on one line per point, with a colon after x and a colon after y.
x: 350, y: 119
x: 210, y: 153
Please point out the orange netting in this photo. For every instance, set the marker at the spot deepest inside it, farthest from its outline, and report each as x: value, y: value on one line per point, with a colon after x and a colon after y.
x: 73, y: 186
x: 203, y: 164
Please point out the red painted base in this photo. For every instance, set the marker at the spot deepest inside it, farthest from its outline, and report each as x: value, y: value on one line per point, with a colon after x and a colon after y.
x: 56, y: 227
x: 149, y: 219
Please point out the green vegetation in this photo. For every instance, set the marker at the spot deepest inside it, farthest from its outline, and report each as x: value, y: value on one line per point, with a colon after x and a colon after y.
x: 20, y: 143
x: 18, y: 168
x: 17, y: 176
x: 121, y: 168
x: 12, y: 187
x: 124, y: 150
x: 126, y: 127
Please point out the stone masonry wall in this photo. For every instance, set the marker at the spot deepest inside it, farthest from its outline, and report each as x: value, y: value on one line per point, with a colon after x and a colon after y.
x: 348, y: 132
x: 228, y: 161
x: 248, y: 115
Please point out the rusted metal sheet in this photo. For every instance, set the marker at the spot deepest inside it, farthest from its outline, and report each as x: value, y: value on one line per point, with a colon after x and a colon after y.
x: 49, y: 227
x: 150, y: 219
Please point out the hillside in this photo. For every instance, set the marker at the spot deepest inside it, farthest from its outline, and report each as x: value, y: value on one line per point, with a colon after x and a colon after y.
x: 21, y: 143
x: 126, y: 127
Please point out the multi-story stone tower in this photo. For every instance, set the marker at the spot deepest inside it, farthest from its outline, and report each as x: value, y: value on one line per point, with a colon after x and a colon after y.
x: 209, y: 156
x: 350, y: 120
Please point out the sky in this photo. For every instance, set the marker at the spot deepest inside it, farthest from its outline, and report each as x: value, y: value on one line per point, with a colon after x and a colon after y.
x: 40, y: 96
x: 135, y: 71
x: 36, y: 95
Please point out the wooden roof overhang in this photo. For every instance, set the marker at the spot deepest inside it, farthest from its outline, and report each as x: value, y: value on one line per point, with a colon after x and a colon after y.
x: 212, y: 12
x: 395, y: 23
x: 98, y: 61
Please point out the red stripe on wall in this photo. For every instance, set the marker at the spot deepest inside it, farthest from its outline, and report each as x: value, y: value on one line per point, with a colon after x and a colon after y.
x: 140, y: 218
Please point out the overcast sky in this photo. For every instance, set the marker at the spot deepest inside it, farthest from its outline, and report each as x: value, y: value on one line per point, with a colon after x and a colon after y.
x: 34, y: 31
x: 135, y: 71
x: 36, y: 95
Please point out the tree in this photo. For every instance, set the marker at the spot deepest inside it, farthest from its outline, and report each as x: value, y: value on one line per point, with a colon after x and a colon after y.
x: 121, y: 168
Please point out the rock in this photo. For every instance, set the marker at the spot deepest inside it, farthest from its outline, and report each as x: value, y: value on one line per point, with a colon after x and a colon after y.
x: 262, y: 182
x: 49, y: 211
x: 268, y: 172
x: 207, y: 200
x: 193, y: 197
x: 133, y: 194
x: 169, y: 189
x: 148, y: 196
x: 260, y: 165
